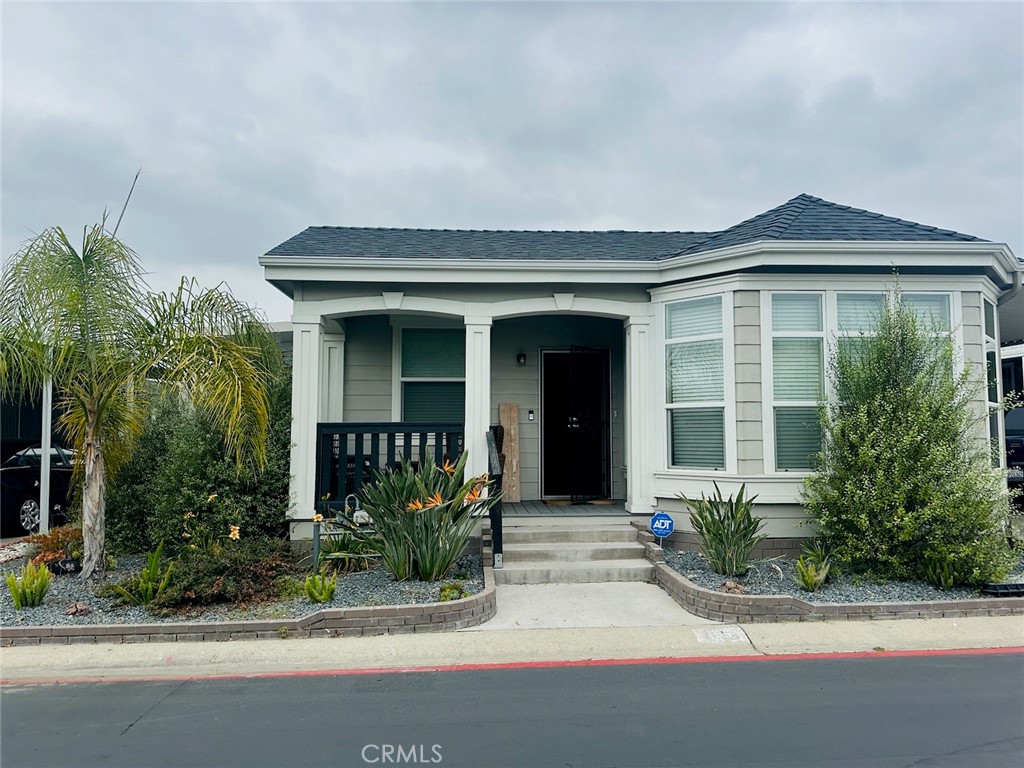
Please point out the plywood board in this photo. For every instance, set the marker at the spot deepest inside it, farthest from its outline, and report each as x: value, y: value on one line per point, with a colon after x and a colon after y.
x: 508, y: 417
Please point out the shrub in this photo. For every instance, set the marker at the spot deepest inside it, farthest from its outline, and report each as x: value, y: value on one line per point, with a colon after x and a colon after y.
x: 320, y: 589
x: 29, y: 590
x: 454, y: 590
x: 148, y: 585
x: 728, y: 531
x: 904, y: 485
x: 57, y: 544
x: 816, y: 552
x: 181, y: 480
x: 342, y: 551
x: 246, y: 571
x: 422, y: 521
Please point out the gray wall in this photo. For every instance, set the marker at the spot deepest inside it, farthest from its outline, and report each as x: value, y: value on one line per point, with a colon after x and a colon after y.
x: 973, y: 326
x: 367, y: 369
x: 749, y: 435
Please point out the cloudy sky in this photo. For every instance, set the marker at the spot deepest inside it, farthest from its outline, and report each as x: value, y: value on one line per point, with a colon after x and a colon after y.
x: 251, y: 122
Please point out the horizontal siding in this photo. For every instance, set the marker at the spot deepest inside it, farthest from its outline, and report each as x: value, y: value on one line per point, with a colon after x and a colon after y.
x: 747, y: 349
x: 367, y: 369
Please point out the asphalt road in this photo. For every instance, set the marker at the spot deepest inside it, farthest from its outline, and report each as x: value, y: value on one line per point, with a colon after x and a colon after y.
x: 936, y: 711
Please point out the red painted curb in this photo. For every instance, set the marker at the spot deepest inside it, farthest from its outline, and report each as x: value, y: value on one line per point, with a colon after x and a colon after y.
x: 512, y: 665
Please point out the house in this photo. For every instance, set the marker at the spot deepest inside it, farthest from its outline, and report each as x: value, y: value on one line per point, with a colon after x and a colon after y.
x: 642, y: 364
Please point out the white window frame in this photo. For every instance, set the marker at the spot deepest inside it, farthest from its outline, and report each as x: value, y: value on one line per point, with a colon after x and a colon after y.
x: 728, y: 402
x: 830, y: 334
x: 398, y: 326
x: 992, y: 345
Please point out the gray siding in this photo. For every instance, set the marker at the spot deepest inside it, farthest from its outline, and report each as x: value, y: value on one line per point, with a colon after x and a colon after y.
x: 972, y: 324
x: 749, y: 436
x: 367, y: 368
x: 512, y: 383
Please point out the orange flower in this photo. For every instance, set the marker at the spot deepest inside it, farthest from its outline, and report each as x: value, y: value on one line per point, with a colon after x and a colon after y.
x: 473, y: 495
x: 435, y: 500
x: 415, y: 505
x: 318, y: 518
x: 448, y: 467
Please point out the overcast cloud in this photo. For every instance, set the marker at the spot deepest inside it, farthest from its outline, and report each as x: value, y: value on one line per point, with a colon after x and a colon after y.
x: 252, y: 122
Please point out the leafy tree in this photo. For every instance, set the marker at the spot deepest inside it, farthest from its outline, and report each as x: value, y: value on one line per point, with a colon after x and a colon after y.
x: 905, y: 487
x: 85, y: 320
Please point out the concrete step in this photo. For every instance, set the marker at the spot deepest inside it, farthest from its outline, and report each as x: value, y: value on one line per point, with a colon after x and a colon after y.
x: 574, y: 573
x: 572, y: 551
x: 566, y: 535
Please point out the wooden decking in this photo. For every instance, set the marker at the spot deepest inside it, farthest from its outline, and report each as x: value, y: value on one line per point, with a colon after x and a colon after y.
x: 541, y: 509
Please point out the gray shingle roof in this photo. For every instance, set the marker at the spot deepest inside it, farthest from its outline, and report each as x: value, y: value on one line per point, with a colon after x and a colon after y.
x: 802, y: 218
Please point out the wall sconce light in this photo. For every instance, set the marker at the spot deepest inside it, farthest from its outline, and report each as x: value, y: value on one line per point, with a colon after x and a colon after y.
x: 521, y: 358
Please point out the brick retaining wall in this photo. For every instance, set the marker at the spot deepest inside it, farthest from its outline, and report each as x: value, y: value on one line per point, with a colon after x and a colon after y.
x: 746, y: 609
x: 329, y: 622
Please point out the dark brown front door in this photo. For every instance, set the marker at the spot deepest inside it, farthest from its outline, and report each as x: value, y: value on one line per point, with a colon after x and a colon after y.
x: 575, y: 453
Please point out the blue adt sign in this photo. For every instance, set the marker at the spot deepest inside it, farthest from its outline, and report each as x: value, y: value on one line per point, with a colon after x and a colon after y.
x: 661, y: 525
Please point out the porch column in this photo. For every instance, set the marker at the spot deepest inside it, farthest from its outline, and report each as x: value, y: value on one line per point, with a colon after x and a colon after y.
x: 478, y: 392
x: 639, y: 500
x: 332, y: 375
x: 308, y: 339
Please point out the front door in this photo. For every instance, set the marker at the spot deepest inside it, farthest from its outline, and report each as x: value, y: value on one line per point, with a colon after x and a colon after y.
x: 575, y: 446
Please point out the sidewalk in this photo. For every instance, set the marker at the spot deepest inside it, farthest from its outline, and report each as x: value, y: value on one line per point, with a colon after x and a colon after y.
x: 239, y: 658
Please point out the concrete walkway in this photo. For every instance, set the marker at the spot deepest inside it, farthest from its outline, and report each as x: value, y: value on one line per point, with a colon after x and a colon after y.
x: 180, y: 660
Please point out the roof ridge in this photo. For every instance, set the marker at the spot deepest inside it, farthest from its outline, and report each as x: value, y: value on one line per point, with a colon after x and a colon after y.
x: 517, y: 231
x: 804, y: 203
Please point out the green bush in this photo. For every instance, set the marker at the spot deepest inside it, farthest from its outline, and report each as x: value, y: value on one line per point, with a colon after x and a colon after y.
x: 454, y: 590
x: 320, y: 589
x: 728, y: 531
x: 181, y: 485
x: 242, y: 572
x: 904, y: 485
x: 810, y: 575
x: 29, y: 590
x: 422, y: 521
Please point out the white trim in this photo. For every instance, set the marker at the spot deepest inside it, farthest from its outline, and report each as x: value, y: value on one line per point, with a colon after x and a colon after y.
x: 991, y: 344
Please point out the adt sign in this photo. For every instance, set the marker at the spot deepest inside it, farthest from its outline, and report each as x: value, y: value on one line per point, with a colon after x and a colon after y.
x: 661, y: 525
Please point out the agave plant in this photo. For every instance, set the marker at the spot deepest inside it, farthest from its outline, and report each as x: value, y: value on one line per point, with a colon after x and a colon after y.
x: 728, y: 531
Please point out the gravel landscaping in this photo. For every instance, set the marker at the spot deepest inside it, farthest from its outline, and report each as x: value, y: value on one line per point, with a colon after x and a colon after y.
x: 367, y: 588
x: 776, y: 577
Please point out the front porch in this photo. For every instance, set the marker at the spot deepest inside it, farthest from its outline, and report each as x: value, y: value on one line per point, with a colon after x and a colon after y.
x: 537, y: 508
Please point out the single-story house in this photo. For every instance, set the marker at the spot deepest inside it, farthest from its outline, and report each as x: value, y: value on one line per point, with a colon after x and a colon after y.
x: 641, y: 364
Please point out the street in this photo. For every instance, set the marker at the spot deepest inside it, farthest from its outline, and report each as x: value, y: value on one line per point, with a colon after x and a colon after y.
x: 941, y: 710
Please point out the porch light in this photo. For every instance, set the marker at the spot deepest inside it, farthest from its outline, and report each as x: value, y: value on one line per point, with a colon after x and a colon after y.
x: 521, y: 358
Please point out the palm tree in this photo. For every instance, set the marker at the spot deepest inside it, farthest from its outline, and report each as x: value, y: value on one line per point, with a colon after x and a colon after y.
x: 85, y: 321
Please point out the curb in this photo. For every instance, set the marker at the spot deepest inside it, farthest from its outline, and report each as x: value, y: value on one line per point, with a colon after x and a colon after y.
x: 758, y: 609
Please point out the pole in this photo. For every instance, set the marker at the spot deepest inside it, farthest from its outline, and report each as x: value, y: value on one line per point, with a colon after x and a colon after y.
x: 44, y: 459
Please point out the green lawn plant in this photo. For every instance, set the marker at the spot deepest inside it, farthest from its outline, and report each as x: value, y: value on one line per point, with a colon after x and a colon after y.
x: 320, y: 588
x: 810, y: 576
x: 727, y: 529
x: 83, y: 320
x: 149, y: 584
x: 422, y: 520
x: 29, y: 590
x: 904, y: 487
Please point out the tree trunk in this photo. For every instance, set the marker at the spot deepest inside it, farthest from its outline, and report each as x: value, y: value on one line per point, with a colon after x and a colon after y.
x: 93, y: 513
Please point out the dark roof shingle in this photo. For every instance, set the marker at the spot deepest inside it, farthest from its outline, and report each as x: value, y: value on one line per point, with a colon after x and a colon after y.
x: 802, y: 218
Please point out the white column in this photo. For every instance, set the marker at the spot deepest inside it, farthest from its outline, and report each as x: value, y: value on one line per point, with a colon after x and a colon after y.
x: 639, y: 469
x: 332, y: 376
x: 307, y: 342
x: 478, y: 392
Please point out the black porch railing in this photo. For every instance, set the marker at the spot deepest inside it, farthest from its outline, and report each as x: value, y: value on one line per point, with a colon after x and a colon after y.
x: 348, y: 455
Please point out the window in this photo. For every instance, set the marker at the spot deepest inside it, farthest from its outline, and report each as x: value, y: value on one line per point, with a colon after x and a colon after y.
x: 992, y: 383
x: 433, y: 374
x: 695, y: 383
x: 857, y: 317
x: 798, y: 377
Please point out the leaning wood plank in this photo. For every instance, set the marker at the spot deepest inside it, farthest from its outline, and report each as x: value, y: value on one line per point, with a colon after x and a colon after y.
x: 508, y: 417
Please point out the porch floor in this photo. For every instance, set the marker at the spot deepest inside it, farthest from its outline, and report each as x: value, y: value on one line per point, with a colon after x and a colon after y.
x: 615, y: 508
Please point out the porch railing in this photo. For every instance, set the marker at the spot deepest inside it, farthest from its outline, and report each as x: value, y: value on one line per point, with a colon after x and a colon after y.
x: 349, y: 454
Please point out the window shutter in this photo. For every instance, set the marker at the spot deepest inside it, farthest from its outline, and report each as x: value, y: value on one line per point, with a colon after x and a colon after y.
x: 433, y: 401
x: 700, y: 317
x: 796, y: 312
x: 695, y: 372
x: 797, y: 437
x: 698, y: 438
x: 860, y: 311
x: 433, y: 353
x: 797, y: 369
x: 931, y: 308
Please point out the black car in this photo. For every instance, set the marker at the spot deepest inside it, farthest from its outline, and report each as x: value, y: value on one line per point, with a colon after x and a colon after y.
x: 1015, y: 452
x: 19, y: 489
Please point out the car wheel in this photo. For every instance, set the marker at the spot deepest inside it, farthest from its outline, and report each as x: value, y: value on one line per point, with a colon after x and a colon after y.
x: 28, y: 515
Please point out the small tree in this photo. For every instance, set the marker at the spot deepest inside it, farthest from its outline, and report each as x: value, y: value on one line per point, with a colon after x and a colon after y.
x: 905, y: 487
